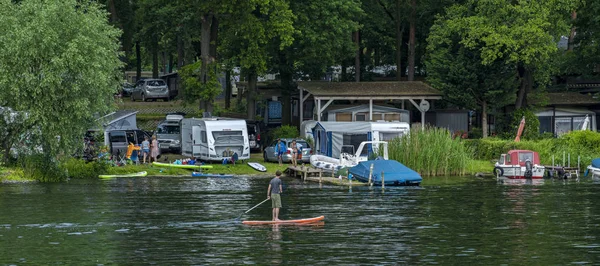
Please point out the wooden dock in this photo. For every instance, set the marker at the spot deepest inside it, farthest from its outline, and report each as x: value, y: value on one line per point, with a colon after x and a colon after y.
x: 569, y: 171
x: 309, y: 173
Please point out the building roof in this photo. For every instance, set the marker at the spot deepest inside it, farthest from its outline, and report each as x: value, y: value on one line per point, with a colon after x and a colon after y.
x: 570, y: 98
x: 367, y: 90
x: 362, y: 107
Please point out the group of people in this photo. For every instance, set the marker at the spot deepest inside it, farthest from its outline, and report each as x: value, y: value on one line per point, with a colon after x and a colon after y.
x: 149, y: 150
x: 281, y: 149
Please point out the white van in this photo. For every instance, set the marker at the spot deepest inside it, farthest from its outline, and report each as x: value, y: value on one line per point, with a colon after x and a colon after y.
x: 214, y: 139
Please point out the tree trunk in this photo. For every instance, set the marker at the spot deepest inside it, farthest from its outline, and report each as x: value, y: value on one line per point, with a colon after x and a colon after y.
x: 399, y: 35
x: 170, y: 62
x: 411, y: 41
x: 180, y: 52
x: 114, y: 18
x: 214, y: 29
x: 484, y: 122
x: 572, y: 34
x: 286, y: 73
x: 357, y: 58
x: 154, y: 58
x: 227, y: 88
x: 138, y: 59
x: 525, y: 85
x: 343, y: 72
x: 250, y: 95
x: 205, y: 54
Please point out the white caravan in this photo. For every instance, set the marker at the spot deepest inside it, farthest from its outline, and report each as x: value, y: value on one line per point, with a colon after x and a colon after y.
x: 214, y: 139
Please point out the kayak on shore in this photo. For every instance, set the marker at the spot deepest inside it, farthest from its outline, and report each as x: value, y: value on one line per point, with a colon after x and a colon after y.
x: 185, y: 166
x: 138, y: 174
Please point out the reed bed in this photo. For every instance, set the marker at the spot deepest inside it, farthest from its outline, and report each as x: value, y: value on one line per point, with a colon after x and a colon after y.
x: 431, y: 152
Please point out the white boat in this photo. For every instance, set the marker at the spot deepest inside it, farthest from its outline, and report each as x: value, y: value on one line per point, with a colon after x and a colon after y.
x: 519, y: 164
x: 348, y: 159
x: 594, y: 168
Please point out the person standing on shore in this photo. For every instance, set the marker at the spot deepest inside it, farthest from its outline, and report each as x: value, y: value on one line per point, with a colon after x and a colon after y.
x: 280, y: 149
x: 146, y: 149
x: 154, y: 149
x: 274, y: 193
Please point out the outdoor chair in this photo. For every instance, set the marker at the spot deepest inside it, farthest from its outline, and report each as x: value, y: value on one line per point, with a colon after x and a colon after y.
x: 120, y: 158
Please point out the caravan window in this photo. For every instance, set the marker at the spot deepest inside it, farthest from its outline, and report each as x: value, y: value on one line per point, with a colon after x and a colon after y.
x: 387, y: 136
x: 355, y: 140
x: 203, y: 136
x: 228, y: 137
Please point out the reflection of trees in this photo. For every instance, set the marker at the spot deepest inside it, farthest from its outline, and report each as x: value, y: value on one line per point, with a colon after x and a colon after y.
x: 484, y: 222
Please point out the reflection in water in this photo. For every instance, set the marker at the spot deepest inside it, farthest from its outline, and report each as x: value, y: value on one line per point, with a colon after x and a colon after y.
x: 175, y: 221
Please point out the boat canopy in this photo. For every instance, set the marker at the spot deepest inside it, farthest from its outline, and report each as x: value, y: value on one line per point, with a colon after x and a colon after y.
x: 596, y: 163
x: 394, y: 172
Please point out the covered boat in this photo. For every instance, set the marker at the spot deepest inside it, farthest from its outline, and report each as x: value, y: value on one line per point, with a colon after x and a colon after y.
x: 519, y: 164
x: 394, y: 173
x: 594, y: 168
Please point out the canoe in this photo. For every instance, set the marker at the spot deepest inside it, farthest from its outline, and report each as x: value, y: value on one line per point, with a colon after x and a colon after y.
x: 257, y: 167
x: 139, y: 174
x: 185, y: 166
x: 200, y: 174
x: 298, y: 221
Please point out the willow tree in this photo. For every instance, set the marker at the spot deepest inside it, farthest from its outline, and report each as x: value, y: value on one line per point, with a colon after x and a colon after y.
x: 59, y: 64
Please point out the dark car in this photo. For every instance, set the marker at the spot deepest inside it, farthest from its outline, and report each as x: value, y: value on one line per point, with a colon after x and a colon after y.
x: 270, y: 156
x: 127, y: 89
x: 119, y: 139
x: 254, y: 135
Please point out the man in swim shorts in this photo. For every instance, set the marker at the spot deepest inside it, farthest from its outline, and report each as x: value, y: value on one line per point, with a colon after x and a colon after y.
x: 274, y: 193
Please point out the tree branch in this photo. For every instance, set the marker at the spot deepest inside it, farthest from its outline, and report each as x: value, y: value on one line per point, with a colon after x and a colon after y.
x: 387, y: 11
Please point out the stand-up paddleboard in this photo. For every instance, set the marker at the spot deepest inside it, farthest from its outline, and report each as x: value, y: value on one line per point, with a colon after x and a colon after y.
x: 139, y: 174
x: 299, y: 221
x: 200, y: 174
x: 258, y: 167
x: 185, y: 166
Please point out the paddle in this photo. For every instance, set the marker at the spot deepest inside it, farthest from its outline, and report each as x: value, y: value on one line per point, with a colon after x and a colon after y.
x: 252, y: 208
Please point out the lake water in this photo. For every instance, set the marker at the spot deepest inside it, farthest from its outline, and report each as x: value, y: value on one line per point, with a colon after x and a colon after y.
x: 183, y: 221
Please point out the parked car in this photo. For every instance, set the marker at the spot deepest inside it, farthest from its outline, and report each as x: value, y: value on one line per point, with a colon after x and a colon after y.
x: 270, y: 156
x: 127, y: 89
x: 254, y: 135
x: 150, y: 89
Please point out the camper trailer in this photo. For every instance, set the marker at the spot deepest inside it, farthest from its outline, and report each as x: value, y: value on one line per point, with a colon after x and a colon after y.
x: 214, y: 139
x: 333, y: 138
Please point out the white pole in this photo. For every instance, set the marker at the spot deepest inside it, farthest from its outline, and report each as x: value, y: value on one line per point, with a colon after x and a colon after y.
x: 569, y: 165
x: 319, y: 110
x: 563, y: 163
x: 370, y: 175
x: 382, y: 181
x: 371, y: 110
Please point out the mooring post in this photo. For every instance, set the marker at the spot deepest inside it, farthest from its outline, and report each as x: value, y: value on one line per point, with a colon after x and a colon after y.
x: 563, y: 164
x: 553, y: 160
x: 569, y: 165
x: 370, y: 175
x: 320, y: 176
x: 382, y: 181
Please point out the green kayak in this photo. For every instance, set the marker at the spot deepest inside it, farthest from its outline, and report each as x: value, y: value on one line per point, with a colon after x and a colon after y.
x: 139, y: 174
x: 186, y: 166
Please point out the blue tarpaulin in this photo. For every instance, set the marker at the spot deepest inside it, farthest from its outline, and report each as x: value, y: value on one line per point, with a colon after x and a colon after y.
x: 394, y: 172
x: 596, y: 163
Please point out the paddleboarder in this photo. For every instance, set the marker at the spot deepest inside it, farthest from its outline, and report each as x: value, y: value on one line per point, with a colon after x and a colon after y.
x: 274, y: 193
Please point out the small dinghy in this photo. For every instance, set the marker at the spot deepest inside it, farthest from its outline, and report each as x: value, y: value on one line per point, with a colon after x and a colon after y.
x: 200, y: 174
x: 257, y: 166
x: 138, y: 174
x: 298, y: 221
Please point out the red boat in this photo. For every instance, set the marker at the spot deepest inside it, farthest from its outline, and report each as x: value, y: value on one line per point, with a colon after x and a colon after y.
x: 519, y: 164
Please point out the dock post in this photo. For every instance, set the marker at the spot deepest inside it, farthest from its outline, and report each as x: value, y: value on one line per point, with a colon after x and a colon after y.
x: 370, y: 175
x: 563, y: 164
x: 553, y: 160
x: 320, y: 177
x: 569, y: 165
x: 305, y: 174
x: 382, y: 181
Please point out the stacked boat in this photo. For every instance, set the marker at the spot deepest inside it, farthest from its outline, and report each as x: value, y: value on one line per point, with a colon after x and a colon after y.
x: 381, y: 170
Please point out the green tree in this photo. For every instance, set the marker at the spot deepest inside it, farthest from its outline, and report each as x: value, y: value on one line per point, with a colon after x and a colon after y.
x: 60, y: 65
x: 522, y: 33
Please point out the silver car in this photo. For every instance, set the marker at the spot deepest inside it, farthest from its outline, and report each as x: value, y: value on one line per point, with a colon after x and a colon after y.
x: 150, y: 89
x: 270, y: 156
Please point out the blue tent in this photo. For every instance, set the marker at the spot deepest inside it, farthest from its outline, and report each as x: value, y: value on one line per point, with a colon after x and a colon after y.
x: 395, y: 173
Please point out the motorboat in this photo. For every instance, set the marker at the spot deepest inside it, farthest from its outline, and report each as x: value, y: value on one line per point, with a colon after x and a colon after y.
x: 519, y: 164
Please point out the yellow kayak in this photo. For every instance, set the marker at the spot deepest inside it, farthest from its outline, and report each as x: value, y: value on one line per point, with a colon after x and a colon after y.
x: 138, y: 174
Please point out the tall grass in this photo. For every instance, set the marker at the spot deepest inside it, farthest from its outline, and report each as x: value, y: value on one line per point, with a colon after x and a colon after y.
x: 431, y: 152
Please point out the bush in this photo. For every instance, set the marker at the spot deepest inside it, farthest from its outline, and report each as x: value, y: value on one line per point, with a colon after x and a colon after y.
x: 284, y: 132
x: 80, y: 169
x: 41, y: 167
